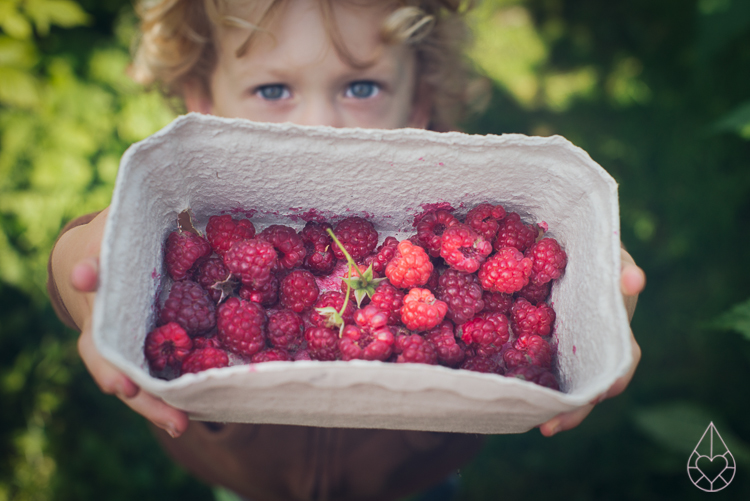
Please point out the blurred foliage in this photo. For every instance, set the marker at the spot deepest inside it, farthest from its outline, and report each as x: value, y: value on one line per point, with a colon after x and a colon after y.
x: 656, y: 92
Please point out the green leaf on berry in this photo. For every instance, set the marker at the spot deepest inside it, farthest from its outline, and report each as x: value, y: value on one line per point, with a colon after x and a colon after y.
x: 363, y: 285
x: 333, y: 317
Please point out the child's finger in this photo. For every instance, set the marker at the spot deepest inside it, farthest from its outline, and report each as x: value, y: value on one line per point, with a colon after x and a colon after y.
x: 565, y: 421
x: 107, y: 377
x: 85, y: 274
x: 166, y: 417
x: 111, y: 381
x: 569, y: 420
x: 622, y: 383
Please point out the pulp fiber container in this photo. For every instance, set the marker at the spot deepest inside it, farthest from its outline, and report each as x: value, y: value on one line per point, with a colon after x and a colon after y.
x: 282, y: 173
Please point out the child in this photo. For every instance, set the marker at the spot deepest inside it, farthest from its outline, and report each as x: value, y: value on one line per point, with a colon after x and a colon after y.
x: 356, y: 63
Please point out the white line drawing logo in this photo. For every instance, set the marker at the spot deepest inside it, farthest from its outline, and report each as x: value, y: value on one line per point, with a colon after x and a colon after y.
x: 711, y: 466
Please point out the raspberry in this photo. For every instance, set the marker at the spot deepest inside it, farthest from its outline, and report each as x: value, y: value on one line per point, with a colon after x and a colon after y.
x: 270, y: 355
x: 410, y: 267
x: 497, y: 301
x: 252, y: 260
x: 322, y: 343
x: 289, y: 246
x: 414, y: 349
x: 202, y: 359
x: 265, y: 295
x: 478, y: 363
x: 223, y: 231
x: 485, y: 220
x: 527, y: 319
x: 183, y: 250
x: 534, y: 374
x: 450, y: 351
x: 298, y: 291
x: 335, y: 300
x: 506, y: 271
x: 203, y: 342
x: 384, y: 254
x: 535, y: 293
x: 357, y: 235
x: 211, y: 274
x: 370, y: 339
x: 319, y: 257
x: 302, y: 355
x: 462, y: 293
x: 242, y: 326
x: 362, y: 284
x: 486, y: 334
x: 421, y: 311
x: 390, y: 300
x: 285, y: 330
x: 549, y: 260
x: 434, y: 280
x: 430, y: 229
x: 514, y: 233
x: 528, y: 350
x: 167, y: 346
x: 463, y: 248
x: 189, y: 305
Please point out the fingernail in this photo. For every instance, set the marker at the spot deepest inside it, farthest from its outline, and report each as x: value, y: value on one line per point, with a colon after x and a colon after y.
x: 554, y: 428
x: 601, y: 398
x: 170, y: 428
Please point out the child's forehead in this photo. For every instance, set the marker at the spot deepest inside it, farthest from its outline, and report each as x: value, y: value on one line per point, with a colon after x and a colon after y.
x: 356, y: 25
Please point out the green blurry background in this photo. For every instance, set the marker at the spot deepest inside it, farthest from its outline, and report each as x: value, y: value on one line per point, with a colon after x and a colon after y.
x: 658, y: 93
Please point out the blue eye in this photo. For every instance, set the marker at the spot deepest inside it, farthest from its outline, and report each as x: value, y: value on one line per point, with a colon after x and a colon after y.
x: 273, y: 92
x: 362, y: 90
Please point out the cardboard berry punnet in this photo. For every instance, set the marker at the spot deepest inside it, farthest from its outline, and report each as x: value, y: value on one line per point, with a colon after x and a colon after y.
x: 286, y: 174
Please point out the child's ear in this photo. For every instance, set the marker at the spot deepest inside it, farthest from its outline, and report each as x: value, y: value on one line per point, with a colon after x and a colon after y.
x: 421, y: 107
x: 197, y: 97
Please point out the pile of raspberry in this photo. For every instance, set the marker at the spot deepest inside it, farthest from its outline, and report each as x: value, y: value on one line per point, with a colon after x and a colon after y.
x: 468, y: 293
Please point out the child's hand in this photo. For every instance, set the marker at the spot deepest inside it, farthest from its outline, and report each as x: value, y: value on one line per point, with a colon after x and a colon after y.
x: 75, y: 262
x: 632, y: 282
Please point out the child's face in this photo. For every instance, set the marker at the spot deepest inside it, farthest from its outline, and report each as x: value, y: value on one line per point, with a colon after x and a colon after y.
x: 297, y: 76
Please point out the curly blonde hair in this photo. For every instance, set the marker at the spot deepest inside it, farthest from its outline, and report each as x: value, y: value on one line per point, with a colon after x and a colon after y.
x: 176, y: 44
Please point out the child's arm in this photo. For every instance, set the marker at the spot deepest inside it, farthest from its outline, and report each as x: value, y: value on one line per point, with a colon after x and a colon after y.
x: 632, y: 282
x: 74, y: 276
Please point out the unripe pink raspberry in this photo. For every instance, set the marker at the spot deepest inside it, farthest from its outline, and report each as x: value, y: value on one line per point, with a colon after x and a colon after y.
x: 421, y: 311
x: 430, y: 229
x: 505, y: 271
x: 410, y: 267
x: 463, y: 248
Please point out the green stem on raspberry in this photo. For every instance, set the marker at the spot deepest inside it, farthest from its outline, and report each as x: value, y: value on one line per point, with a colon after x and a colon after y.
x: 348, y: 256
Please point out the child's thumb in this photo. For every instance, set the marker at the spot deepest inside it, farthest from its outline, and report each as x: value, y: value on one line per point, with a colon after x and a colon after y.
x: 85, y: 274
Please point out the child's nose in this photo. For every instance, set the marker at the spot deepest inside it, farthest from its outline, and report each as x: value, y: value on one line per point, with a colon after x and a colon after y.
x: 319, y: 112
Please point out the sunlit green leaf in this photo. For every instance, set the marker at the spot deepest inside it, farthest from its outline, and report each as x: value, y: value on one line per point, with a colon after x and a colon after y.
x: 109, y: 66
x: 562, y: 89
x: 508, y: 48
x: 738, y: 121
x: 45, y: 13
x: 142, y: 115
x: 679, y: 426
x: 17, y: 87
x: 624, y: 84
x: 12, y: 21
x: 736, y: 319
x: 17, y: 53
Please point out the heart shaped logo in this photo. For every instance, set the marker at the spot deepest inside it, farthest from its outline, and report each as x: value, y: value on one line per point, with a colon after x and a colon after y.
x: 711, y: 466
